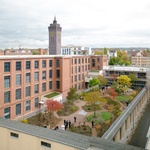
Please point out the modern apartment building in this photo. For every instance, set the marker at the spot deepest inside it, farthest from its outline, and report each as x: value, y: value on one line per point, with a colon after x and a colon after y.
x: 75, y: 50
x: 25, y: 79
x: 140, y: 72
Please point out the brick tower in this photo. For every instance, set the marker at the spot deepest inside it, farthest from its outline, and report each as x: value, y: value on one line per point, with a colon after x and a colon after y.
x: 54, y: 38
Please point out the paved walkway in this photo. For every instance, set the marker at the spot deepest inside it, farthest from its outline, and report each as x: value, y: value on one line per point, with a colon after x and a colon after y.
x: 80, y: 115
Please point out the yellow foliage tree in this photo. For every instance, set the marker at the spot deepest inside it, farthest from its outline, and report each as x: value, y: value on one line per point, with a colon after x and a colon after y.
x: 93, y: 99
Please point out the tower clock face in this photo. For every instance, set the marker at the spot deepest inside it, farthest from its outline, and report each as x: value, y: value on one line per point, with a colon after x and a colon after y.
x: 52, y: 33
x: 58, y: 33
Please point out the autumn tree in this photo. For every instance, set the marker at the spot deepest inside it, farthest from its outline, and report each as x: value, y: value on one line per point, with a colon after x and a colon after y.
x: 94, y: 82
x: 105, y: 51
x: 72, y: 95
x: 122, y: 83
x: 132, y: 77
x: 112, y: 93
x: 98, y: 52
x: 53, y: 105
x: 102, y: 80
x: 93, y: 99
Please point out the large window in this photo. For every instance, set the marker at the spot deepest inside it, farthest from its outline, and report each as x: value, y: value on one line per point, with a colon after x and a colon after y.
x: 18, y: 109
x: 58, y: 73
x: 78, y: 68
x: 50, y: 73
x: 93, y: 62
x: 36, y: 64
x: 43, y: 75
x: 18, y: 79
x: 50, y: 63
x: 28, y: 91
x: 36, y: 89
x: 58, y: 84
x: 36, y: 102
x: 98, y: 59
x: 7, y: 97
x: 18, y: 94
x: 58, y: 63
x: 50, y: 85
x: 7, y: 67
x: 43, y: 87
x: 75, y: 69
x: 78, y: 60
x: 43, y: 63
x: 27, y: 65
x: 7, y: 113
x: 18, y: 65
x: 6, y: 81
x: 75, y: 61
x: 28, y: 105
x: 75, y: 78
x: 46, y: 144
x: 27, y: 77
x: 79, y: 77
x: 36, y: 76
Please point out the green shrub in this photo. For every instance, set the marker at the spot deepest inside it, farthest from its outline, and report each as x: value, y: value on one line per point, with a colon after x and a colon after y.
x: 73, y: 108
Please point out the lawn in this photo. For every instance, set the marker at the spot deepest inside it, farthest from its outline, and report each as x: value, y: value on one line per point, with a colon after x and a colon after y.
x: 123, y: 98
x: 51, y: 95
x: 100, y: 117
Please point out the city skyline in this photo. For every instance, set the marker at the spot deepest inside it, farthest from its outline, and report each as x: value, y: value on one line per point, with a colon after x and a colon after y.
x: 95, y: 24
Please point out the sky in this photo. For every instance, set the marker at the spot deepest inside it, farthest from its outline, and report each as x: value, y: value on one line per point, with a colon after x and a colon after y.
x: 94, y: 23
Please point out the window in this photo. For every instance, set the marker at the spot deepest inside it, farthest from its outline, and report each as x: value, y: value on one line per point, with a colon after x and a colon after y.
x: 18, y: 65
x: 58, y: 63
x: 82, y: 85
x: 6, y: 81
x: 27, y: 64
x: 57, y: 73
x: 7, y: 97
x: 79, y: 77
x: 75, y: 69
x: 50, y: 85
x: 36, y: 89
x: 98, y: 59
x: 88, y: 60
x: 75, y: 61
x: 36, y: 76
x: 75, y: 78
x: 28, y: 91
x: 82, y: 76
x: 18, y: 94
x: 43, y: 87
x: 50, y: 63
x: 43, y: 63
x: 28, y: 105
x: 18, y: 79
x: 43, y: 75
x: 78, y: 60
x: 57, y: 84
x: 7, y: 67
x: 93, y: 62
x: 79, y: 86
x: 36, y: 102
x: 36, y: 64
x: 45, y: 144
x: 18, y: 109
x: 14, y: 134
x: 89, y: 67
x: 78, y: 68
x: 7, y: 113
x: 50, y: 73
x: 27, y: 77
x: 82, y: 60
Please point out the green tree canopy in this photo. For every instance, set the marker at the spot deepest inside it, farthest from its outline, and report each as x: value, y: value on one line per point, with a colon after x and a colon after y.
x: 102, y: 80
x: 94, y: 82
x: 132, y: 77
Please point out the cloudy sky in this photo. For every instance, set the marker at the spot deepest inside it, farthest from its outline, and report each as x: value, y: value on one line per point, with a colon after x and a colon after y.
x: 95, y: 23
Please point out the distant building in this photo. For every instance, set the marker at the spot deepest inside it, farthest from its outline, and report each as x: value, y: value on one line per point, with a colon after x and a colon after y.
x: 54, y: 38
x: 75, y: 50
x: 112, y: 53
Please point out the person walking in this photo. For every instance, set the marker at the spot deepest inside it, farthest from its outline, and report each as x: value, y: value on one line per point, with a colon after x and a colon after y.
x: 92, y: 124
x: 75, y: 119
x: 69, y: 123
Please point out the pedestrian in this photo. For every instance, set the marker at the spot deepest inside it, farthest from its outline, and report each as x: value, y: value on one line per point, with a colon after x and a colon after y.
x: 75, y: 119
x: 66, y: 125
x: 64, y: 122
x: 92, y: 124
x: 69, y: 123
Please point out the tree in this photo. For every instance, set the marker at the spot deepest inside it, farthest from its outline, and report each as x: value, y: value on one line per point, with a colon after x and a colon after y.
x: 72, y: 95
x: 105, y: 51
x: 53, y: 105
x: 93, y: 99
x: 98, y: 52
x: 112, y: 93
x: 122, y: 83
x: 94, y: 82
x: 102, y: 80
x: 132, y: 77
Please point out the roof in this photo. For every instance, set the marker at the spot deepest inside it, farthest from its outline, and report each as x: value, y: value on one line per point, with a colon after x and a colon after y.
x: 65, y: 137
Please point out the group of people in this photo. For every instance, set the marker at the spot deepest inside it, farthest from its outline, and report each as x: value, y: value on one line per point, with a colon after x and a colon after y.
x: 67, y: 123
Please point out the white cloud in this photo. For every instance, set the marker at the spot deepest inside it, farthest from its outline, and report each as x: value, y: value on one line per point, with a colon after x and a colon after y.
x: 95, y: 23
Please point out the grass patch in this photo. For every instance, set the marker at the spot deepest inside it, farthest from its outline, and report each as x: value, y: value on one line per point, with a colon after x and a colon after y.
x: 100, y: 117
x: 51, y: 95
x: 123, y: 97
